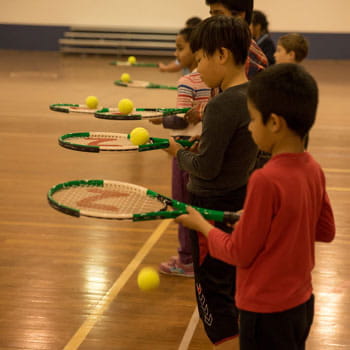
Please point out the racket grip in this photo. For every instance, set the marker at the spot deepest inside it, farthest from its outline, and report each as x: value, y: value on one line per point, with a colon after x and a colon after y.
x: 185, y: 143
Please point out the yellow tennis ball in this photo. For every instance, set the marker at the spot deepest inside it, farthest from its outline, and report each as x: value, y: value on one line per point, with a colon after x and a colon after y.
x: 91, y: 102
x: 125, y: 106
x: 148, y: 279
x: 125, y: 78
x: 132, y: 59
x: 139, y: 136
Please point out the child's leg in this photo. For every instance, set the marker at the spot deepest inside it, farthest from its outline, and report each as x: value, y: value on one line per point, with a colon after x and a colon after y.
x: 287, y: 330
x: 181, y: 265
x: 180, y: 193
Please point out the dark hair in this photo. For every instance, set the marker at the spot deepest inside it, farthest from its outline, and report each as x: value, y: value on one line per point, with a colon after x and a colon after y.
x: 193, y: 21
x: 236, y: 6
x: 259, y: 17
x: 295, y: 42
x: 217, y: 32
x: 187, y: 33
x: 289, y: 91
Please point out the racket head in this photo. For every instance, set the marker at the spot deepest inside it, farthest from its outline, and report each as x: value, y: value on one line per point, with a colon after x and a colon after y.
x: 106, y: 200
x: 71, y: 108
x: 138, y: 113
x: 137, y: 64
x: 107, y: 141
x: 143, y: 84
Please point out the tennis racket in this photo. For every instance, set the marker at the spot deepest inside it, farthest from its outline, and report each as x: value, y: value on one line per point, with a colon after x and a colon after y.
x: 138, y: 113
x: 144, y: 84
x: 121, y: 201
x: 75, y: 108
x: 137, y: 64
x: 108, y: 141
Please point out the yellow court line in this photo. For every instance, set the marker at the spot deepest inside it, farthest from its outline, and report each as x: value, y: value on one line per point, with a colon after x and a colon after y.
x: 108, y: 298
x: 338, y: 189
x: 335, y: 170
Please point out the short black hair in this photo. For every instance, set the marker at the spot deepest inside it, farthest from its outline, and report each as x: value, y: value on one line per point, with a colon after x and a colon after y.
x: 289, y: 91
x: 193, y: 21
x: 236, y: 5
x: 219, y: 32
x: 187, y: 33
x: 259, y: 17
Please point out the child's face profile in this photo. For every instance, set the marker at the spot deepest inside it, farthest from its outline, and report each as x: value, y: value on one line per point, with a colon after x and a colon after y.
x: 282, y: 56
x: 183, y: 53
x: 259, y: 131
x: 207, y: 68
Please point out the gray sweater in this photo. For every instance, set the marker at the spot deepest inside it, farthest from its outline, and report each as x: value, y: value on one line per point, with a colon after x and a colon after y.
x: 227, y: 152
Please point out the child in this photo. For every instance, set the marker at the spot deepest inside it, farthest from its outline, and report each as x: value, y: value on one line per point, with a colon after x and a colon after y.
x: 286, y: 210
x: 175, y: 66
x: 291, y: 48
x: 260, y: 32
x: 219, y: 171
x: 191, y: 91
x: 257, y: 60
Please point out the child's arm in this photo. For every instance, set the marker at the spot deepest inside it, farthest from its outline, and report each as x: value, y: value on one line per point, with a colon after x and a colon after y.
x: 171, y: 67
x: 325, y: 229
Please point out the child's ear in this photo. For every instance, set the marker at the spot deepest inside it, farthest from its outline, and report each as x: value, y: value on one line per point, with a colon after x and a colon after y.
x: 223, y: 54
x: 291, y: 55
x: 275, y: 122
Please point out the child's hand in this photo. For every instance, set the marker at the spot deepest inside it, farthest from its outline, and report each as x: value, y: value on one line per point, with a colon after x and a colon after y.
x: 193, y: 116
x: 156, y: 121
x: 194, y: 147
x: 162, y: 67
x: 173, y: 148
x: 195, y: 221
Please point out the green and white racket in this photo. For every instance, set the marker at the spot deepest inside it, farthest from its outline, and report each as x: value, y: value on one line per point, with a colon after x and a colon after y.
x: 104, y: 199
x: 144, y: 84
x: 136, y: 64
x: 108, y: 141
x: 75, y: 108
x: 138, y: 113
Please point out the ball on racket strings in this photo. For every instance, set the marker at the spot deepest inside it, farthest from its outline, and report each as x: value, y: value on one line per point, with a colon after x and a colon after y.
x: 91, y: 102
x: 125, y: 106
x: 139, y: 136
x: 148, y: 279
x: 125, y: 78
x: 132, y: 59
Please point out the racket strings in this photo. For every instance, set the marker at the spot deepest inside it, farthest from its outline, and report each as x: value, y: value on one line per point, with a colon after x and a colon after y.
x: 113, y: 199
x: 102, y: 139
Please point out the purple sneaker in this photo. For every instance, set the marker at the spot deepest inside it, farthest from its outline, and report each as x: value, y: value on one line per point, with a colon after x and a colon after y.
x: 175, y: 267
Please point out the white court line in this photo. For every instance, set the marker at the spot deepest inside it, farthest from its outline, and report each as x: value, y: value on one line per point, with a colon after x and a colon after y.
x: 95, y: 315
x: 191, y: 327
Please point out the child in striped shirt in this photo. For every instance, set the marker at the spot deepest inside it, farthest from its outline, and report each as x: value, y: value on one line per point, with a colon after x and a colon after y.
x: 191, y: 92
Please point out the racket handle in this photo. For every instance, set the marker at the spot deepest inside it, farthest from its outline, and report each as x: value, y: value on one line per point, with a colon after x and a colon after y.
x: 219, y: 216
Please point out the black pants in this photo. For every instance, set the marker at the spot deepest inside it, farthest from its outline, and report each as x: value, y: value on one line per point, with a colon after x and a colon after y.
x: 285, y: 330
x: 215, y: 281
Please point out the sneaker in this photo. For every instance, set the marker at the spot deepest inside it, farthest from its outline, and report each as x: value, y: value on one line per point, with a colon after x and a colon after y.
x: 175, y: 267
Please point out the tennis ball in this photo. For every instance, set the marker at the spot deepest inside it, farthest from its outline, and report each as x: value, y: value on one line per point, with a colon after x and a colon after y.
x: 91, y: 102
x: 139, y: 136
x: 125, y: 78
x: 125, y: 106
x: 148, y: 279
x: 132, y: 59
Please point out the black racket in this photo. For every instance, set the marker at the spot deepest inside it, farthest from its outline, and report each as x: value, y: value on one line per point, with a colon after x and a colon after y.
x: 108, y: 141
x: 75, y: 108
x: 138, y: 113
x: 144, y: 84
x: 104, y: 199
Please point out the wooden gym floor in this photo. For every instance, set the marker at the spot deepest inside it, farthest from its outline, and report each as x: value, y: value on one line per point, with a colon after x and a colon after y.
x: 68, y: 283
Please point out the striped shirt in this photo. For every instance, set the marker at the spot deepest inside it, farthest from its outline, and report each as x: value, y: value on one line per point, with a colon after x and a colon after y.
x: 191, y: 92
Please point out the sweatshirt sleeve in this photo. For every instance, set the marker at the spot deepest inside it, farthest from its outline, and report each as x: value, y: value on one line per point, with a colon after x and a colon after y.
x: 215, y: 138
x: 248, y: 238
x: 325, y: 229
